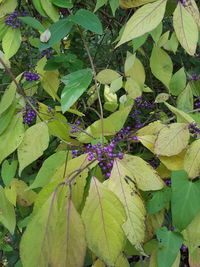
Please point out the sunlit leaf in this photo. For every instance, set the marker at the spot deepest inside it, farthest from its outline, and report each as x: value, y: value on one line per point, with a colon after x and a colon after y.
x: 177, y: 82
x: 11, y: 42
x: 104, y: 232
x: 192, y: 159
x: 50, y: 10
x: 107, y: 76
x: 133, y: 3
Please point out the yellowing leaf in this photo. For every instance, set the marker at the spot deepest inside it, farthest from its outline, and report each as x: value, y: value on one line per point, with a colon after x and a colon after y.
x: 192, y: 233
x: 50, y: 83
x: 24, y: 197
x: 174, y: 163
x: 55, y: 236
x: 192, y: 8
x: 36, y: 140
x: 186, y: 29
x: 132, y: 88
x: 143, y: 20
x: 133, y: 3
x: 11, y: 42
x: 153, y: 222
x: 161, y: 65
x: 152, y: 128
x: 181, y: 115
x: 7, y: 212
x: 104, y: 232
x: 11, y: 137
x: 112, y: 125
x: 192, y: 159
x: 126, y: 191
x: 172, y: 139
x: 162, y: 97
x: 148, y: 141
x: 145, y: 177
x: 8, y: 6
x: 107, y: 76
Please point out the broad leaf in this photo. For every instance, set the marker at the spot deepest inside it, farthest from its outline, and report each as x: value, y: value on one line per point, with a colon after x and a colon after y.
x: 133, y: 3
x: 50, y: 83
x: 192, y: 159
x: 7, y: 212
x: 186, y: 29
x: 161, y: 65
x: 143, y: 20
x: 7, y: 7
x: 104, y: 232
x: 11, y: 137
x: 181, y: 115
x: 8, y: 97
x: 50, y: 10
x: 34, y: 23
x: 107, y: 76
x: 11, y: 42
x: 58, y: 31
x: 35, y: 141
x: 159, y: 200
x: 185, y: 197
x: 177, y: 82
x: 8, y: 171
x: 128, y: 194
x: 87, y: 20
x: 75, y: 85
x: 172, y: 139
x: 55, y: 236
x: 169, y: 245
x: 63, y: 3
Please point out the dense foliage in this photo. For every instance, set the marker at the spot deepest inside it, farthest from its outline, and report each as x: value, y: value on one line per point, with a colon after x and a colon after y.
x: 99, y: 133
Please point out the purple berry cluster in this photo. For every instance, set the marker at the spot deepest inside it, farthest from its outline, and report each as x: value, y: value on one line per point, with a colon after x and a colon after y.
x: 183, y: 248
x: 194, y: 130
x: 184, y: 3
x: 140, y: 106
x: 195, y: 77
x: 197, y: 103
x: 29, y: 114
x: 153, y: 162
x: 30, y: 76
x: 46, y: 53
x: 74, y: 128
x: 13, y: 21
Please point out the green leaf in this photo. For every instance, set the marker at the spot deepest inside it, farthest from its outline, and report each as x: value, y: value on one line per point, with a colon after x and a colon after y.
x: 63, y: 3
x: 7, y: 212
x: 55, y: 236
x: 104, y: 232
x: 7, y: 7
x: 99, y: 4
x: 58, y: 31
x: 185, y: 99
x: 185, y: 202
x: 11, y: 42
x: 6, y: 117
x: 48, y: 169
x: 35, y: 141
x: 107, y: 76
x: 75, y: 85
x: 144, y: 20
x: 186, y: 29
x: 87, y: 20
x: 50, y: 10
x: 161, y: 65
x: 34, y: 23
x: 177, y: 82
x: 114, y: 4
x: 112, y: 125
x: 38, y: 6
x: 159, y: 200
x: 169, y: 245
x: 8, y: 171
x: 128, y: 194
x: 50, y: 83
x: 156, y: 33
x: 11, y: 137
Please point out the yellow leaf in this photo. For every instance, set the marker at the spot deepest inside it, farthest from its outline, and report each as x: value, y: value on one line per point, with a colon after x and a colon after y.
x: 185, y: 28
x: 192, y: 233
x: 174, y: 163
x: 162, y: 97
x: 153, y: 222
x: 172, y: 139
x: 181, y: 115
x: 192, y: 160
x: 128, y: 194
x: 148, y: 141
x: 144, y: 20
x: 192, y: 8
x: 145, y: 177
x: 50, y: 83
x: 104, y: 232
x: 152, y: 128
x: 107, y: 76
x: 133, y: 3
x: 11, y: 195
x: 132, y: 88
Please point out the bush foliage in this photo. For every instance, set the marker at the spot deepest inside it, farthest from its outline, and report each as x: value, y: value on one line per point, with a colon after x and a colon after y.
x: 99, y: 136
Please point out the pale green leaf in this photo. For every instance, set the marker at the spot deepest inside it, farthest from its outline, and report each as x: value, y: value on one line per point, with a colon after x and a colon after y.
x: 7, y: 7
x: 192, y: 159
x: 8, y: 171
x: 186, y: 29
x: 35, y: 141
x: 50, y: 83
x: 161, y: 65
x: 11, y: 137
x: 181, y: 115
x: 185, y: 99
x: 63, y: 3
x: 128, y: 194
x: 104, y: 232
x: 133, y: 3
x: 11, y: 42
x: 143, y: 20
x: 50, y: 10
x: 177, y: 82
x: 156, y: 33
x: 7, y: 212
x: 107, y: 76
x: 172, y: 139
